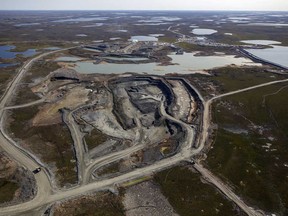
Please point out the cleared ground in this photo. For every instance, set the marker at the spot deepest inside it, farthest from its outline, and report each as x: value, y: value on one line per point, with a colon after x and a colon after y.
x: 49, y: 114
x: 51, y: 143
x: 100, y: 204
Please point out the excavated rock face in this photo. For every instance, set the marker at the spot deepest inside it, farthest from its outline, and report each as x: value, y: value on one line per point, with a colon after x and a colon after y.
x: 21, y: 180
x: 7, y: 166
x: 65, y: 74
x: 27, y: 184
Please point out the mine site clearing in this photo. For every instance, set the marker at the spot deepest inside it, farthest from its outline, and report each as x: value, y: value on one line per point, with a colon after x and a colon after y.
x: 126, y: 109
x: 135, y: 112
x: 143, y: 123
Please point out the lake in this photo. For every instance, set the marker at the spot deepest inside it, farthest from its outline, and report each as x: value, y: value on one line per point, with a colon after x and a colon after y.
x: 26, y: 24
x: 152, y: 24
x: 276, y: 54
x: 4, y: 65
x: 81, y: 35
x: 260, y: 42
x: 268, y: 24
x: 144, y: 38
x: 5, y: 52
x: 187, y: 63
x: 199, y: 31
x: 93, y: 25
x: 124, y: 59
x: 156, y: 35
x: 81, y: 19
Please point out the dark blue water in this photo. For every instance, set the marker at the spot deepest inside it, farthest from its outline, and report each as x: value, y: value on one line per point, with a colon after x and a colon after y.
x: 5, y: 52
x: 5, y: 65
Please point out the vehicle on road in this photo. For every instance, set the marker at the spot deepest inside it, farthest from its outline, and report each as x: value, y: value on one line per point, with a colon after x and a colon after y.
x: 37, y: 170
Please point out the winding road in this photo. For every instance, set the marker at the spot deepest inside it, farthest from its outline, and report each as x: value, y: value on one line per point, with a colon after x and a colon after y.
x: 43, y: 180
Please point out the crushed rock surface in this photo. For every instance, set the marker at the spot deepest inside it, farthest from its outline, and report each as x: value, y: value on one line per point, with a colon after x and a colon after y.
x: 146, y: 199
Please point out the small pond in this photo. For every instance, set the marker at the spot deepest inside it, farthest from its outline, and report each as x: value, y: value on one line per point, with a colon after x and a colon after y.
x: 199, y: 31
